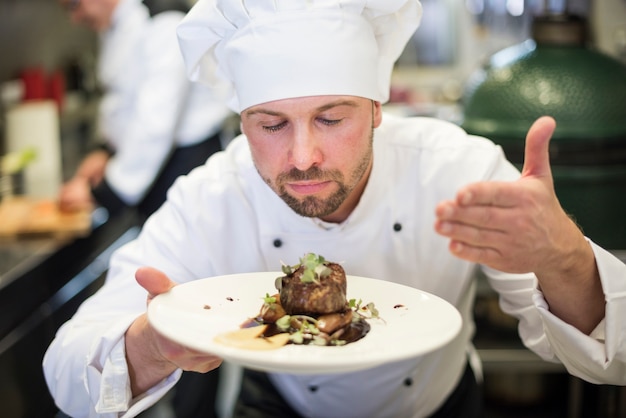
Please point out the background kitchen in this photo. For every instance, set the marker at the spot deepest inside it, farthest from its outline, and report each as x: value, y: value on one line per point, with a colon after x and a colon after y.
x: 49, y: 263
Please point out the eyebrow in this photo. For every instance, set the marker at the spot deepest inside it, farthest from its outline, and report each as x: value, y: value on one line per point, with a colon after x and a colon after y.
x: 261, y: 110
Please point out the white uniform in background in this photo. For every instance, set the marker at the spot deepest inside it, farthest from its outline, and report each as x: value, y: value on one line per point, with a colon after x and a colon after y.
x: 149, y: 106
x: 417, y: 163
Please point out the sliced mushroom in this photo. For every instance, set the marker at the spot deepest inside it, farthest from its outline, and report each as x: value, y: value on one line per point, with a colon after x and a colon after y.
x: 331, y: 322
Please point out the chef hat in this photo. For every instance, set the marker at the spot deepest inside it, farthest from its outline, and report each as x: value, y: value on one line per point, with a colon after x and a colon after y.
x: 276, y: 49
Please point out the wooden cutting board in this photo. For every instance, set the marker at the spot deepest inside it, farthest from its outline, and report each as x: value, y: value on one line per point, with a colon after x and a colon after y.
x: 28, y: 216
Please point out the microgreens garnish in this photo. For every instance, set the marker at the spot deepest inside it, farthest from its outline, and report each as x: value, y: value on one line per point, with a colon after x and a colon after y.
x: 314, y: 268
x: 283, y: 323
x: 268, y: 300
x: 368, y: 311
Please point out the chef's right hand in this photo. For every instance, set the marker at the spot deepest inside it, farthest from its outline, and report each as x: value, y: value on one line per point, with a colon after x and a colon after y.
x: 151, y: 357
x: 93, y: 166
x: 75, y: 195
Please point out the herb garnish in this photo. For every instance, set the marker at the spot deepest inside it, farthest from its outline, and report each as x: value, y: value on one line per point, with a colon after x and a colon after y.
x: 314, y: 268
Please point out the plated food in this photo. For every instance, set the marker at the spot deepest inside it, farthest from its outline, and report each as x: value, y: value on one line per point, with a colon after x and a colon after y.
x: 311, y: 307
x: 413, y: 323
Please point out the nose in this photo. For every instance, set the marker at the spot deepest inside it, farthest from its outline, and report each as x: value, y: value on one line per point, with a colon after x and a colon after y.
x: 305, y: 150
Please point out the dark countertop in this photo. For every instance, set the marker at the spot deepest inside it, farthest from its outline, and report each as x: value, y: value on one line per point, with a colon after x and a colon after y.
x: 32, y: 270
x: 18, y: 255
x: 42, y: 283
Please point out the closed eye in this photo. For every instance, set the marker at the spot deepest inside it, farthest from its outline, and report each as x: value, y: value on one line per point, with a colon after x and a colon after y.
x: 330, y: 122
x: 275, y: 128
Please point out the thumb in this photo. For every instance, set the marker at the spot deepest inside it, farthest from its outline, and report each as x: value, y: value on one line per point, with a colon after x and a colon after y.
x: 153, y: 280
x: 536, y: 155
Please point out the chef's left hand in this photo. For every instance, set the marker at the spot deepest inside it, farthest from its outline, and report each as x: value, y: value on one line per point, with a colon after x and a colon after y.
x: 515, y: 226
x: 520, y: 227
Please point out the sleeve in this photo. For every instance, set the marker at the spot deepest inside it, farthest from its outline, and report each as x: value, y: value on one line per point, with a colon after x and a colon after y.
x: 601, y: 356
x: 160, y: 95
x: 106, y: 197
x: 598, y: 358
x: 85, y: 365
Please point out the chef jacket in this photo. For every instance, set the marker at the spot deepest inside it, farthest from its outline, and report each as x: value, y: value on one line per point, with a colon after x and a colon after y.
x: 223, y: 219
x: 149, y: 106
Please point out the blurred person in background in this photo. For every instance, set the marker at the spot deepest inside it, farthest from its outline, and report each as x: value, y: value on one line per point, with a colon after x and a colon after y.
x: 153, y: 124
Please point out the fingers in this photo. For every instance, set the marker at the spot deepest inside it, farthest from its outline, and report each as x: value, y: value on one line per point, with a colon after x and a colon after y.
x: 75, y: 195
x: 181, y: 356
x: 486, y: 216
x: 491, y: 193
x: 476, y: 226
x: 151, y: 357
x: 188, y: 359
x: 536, y: 167
x: 497, y: 223
x: 153, y: 280
x: 487, y: 235
x: 481, y: 255
x: 536, y: 154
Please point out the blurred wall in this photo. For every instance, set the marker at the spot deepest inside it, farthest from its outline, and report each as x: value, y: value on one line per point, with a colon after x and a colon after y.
x: 38, y: 33
x: 608, y: 18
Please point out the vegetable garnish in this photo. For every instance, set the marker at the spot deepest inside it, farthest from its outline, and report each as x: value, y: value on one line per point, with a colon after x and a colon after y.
x: 314, y: 268
x: 310, y: 308
x: 362, y: 310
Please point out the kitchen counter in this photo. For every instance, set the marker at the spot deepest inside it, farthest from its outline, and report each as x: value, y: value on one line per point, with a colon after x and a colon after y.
x: 43, y: 280
x: 45, y: 277
x: 24, y: 260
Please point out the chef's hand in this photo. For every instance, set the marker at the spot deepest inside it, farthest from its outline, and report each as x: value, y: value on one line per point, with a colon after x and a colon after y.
x: 152, y: 357
x: 93, y: 166
x: 75, y: 195
x: 520, y: 227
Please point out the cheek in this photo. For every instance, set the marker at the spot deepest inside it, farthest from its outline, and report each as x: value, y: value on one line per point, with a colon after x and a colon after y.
x: 347, y: 146
x: 268, y: 157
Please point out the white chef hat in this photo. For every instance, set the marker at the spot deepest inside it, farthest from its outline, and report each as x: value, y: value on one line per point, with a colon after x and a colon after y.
x: 276, y: 49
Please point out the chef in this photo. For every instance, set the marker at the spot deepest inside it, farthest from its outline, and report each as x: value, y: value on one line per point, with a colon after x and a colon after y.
x: 153, y: 124
x: 320, y: 168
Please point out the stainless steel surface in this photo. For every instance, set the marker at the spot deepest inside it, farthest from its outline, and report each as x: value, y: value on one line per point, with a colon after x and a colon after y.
x: 516, y: 360
x: 45, y: 284
x: 17, y: 257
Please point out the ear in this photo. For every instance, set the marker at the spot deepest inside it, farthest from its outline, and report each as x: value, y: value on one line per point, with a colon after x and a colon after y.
x: 377, y: 113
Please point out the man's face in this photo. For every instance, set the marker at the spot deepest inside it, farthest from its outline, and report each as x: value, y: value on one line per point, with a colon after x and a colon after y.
x: 95, y: 14
x: 314, y: 152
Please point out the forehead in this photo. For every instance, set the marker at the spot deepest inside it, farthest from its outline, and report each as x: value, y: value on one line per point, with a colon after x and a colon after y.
x: 304, y: 104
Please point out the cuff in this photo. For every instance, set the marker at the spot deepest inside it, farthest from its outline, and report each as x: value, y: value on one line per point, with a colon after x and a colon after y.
x: 106, y: 197
x: 103, y: 146
x: 114, y: 392
x: 599, y: 357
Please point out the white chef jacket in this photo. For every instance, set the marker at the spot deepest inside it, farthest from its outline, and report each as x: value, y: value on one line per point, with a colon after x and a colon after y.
x: 222, y: 219
x: 149, y: 106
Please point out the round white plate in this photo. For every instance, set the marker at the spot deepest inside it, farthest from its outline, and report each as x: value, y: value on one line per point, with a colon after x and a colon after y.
x: 412, y: 323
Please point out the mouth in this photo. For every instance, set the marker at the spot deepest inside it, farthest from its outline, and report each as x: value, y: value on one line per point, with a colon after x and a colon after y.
x: 309, y: 187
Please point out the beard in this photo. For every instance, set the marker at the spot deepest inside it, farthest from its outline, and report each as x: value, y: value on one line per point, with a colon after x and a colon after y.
x: 312, y: 206
x: 315, y: 207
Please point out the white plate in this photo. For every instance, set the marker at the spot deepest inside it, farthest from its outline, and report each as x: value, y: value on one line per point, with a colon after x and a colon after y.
x: 413, y: 323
